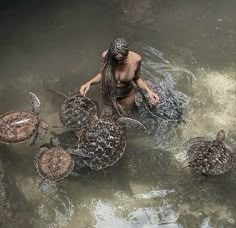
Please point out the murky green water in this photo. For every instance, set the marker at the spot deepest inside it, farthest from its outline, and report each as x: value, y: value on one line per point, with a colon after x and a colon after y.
x: 58, y: 45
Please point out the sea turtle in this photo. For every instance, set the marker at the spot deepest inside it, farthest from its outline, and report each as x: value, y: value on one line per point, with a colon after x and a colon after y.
x: 53, y: 164
x: 76, y: 110
x: 209, y: 157
x: 17, y: 126
x: 103, y: 142
x: 171, y: 104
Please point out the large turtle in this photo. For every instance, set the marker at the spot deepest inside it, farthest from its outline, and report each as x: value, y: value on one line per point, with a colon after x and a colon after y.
x: 103, y: 142
x: 76, y: 110
x: 209, y: 157
x: 53, y: 164
x: 171, y: 104
x: 17, y: 126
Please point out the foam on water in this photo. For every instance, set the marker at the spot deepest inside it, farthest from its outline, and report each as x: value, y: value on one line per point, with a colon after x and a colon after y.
x: 214, y: 96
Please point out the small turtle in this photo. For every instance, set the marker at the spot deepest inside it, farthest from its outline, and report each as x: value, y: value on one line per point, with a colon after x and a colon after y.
x: 76, y: 110
x: 53, y: 164
x: 17, y: 126
x: 209, y: 157
x: 103, y: 142
x: 171, y: 104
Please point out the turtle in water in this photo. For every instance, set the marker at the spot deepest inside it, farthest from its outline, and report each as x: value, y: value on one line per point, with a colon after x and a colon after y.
x: 53, y: 164
x: 76, y: 110
x: 171, y: 104
x: 17, y: 126
x: 103, y: 142
x: 209, y: 157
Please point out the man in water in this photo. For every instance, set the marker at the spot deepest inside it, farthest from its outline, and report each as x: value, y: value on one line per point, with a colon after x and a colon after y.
x: 119, y: 69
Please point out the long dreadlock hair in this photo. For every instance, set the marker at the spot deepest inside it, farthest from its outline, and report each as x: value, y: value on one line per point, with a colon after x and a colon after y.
x: 118, y: 46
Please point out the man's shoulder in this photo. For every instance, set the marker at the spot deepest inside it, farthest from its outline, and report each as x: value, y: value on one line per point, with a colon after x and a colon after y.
x: 136, y: 56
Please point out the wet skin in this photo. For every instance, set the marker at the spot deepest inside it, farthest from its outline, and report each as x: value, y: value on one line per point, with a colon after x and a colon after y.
x: 128, y: 68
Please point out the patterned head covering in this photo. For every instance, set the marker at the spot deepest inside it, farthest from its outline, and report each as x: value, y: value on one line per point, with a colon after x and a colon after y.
x: 119, y: 46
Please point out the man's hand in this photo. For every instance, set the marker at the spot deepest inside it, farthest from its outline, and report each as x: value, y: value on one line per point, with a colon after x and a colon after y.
x: 153, y: 97
x: 84, y: 88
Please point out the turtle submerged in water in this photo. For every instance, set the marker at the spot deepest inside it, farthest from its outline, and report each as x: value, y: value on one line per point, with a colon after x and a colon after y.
x: 18, y: 126
x: 171, y: 104
x: 53, y: 164
x: 103, y: 142
x: 76, y: 110
x: 209, y: 157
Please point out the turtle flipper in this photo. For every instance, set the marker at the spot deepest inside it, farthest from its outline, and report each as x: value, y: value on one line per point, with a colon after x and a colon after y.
x: 42, y: 130
x: 196, y: 140
x: 35, y: 103
x: 38, y: 154
x: 78, y: 156
x: 79, y: 152
x: 130, y: 123
x: 79, y: 163
x: 58, y: 92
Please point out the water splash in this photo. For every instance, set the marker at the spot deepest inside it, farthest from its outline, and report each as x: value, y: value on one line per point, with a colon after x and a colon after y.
x: 214, y: 96
x: 152, y: 64
x: 159, y: 72
x: 155, y: 193
x: 51, y: 205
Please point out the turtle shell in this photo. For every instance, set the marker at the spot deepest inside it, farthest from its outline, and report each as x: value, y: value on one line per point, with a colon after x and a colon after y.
x: 209, y: 157
x: 171, y: 103
x: 54, y: 164
x: 16, y: 126
x: 77, y: 111
x: 103, y: 143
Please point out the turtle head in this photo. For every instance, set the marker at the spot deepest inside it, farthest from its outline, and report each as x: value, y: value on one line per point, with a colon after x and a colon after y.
x: 44, y: 125
x: 220, y: 136
x: 55, y: 141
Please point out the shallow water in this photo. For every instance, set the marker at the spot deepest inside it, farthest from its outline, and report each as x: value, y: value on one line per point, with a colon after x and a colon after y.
x: 58, y: 45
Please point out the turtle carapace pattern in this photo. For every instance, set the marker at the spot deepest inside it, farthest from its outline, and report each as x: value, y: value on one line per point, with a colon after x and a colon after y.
x: 18, y: 126
x: 209, y: 157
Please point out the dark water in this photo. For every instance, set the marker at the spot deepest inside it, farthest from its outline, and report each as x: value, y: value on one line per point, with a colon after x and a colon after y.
x: 57, y: 44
